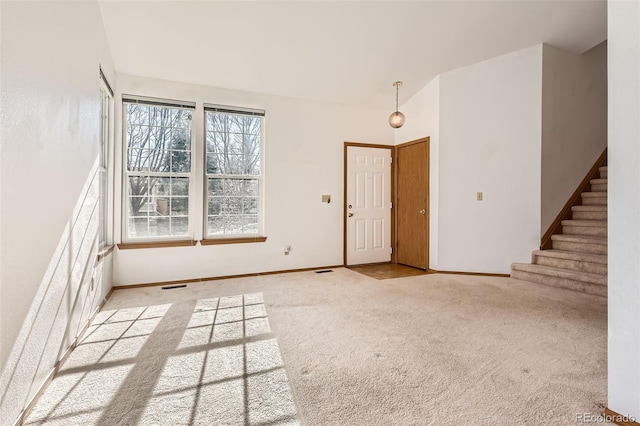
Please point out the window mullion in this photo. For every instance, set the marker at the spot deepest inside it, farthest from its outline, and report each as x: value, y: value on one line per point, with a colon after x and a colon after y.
x: 198, y: 190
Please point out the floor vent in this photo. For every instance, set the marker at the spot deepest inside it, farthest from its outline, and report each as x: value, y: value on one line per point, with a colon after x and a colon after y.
x: 171, y: 287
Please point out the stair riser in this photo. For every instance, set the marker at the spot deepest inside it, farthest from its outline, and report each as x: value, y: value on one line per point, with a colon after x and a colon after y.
x: 594, y: 201
x: 580, y: 247
x: 603, y: 174
x: 599, y: 187
x: 584, y: 230
x: 595, y: 289
x: 574, y: 265
x: 577, y: 215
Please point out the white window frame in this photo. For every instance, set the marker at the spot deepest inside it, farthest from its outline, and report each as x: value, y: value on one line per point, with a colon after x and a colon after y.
x: 212, y: 108
x: 128, y: 99
x: 105, y: 163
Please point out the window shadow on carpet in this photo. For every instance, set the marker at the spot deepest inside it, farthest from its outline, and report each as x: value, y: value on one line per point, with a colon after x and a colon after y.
x: 207, y: 361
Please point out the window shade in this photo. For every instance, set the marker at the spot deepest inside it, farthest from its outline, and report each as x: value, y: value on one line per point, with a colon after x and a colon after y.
x: 106, y: 82
x: 234, y: 110
x: 132, y: 99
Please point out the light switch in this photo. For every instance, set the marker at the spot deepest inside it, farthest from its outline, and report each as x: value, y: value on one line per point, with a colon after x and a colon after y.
x: 479, y: 196
x: 326, y: 198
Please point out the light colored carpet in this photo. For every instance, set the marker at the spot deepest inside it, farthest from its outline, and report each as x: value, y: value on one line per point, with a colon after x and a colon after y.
x: 338, y: 348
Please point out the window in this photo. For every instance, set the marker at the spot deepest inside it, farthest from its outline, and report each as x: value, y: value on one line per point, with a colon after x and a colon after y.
x: 175, y: 193
x: 233, y: 171
x: 158, y: 171
x: 106, y: 97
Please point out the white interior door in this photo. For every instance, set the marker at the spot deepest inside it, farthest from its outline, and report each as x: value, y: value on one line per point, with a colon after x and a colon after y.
x: 368, y: 205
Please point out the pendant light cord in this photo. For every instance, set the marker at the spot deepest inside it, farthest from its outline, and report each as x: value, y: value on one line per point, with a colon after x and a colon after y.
x: 396, y: 97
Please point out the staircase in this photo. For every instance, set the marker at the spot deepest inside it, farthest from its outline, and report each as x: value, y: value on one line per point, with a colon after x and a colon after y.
x: 577, y: 259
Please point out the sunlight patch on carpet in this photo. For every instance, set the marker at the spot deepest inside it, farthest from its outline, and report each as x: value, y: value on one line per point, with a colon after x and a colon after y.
x: 207, y: 361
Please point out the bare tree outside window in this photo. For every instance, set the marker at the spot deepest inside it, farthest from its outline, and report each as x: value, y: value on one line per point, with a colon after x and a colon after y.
x: 158, y: 156
x: 233, y: 145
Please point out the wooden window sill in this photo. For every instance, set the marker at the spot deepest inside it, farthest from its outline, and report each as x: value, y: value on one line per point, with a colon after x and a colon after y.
x: 213, y: 241
x: 239, y: 240
x: 104, y: 252
x: 158, y: 244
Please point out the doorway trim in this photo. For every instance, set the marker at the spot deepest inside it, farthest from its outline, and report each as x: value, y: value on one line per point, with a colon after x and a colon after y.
x: 394, y: 213
x: 392, y: 152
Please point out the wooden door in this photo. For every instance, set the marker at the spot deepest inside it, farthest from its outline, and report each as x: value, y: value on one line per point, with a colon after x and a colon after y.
x: 368, y: 205
x: 413, y: 204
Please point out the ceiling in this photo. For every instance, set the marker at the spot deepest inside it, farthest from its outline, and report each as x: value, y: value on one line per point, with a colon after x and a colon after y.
x: 337, y: 51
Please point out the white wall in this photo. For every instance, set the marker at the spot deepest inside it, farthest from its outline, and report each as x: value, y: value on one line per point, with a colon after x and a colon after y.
x: 50, y: 120
x: 303, y: 148
x: 624, y: 207
x: 490, y: 116
x: 423, y: 119
x: 484, y: 121
x: 574, y: 122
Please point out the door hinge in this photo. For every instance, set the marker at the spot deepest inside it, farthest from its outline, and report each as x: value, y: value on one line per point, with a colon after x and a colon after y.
x: 391, y: 205
x: 390, y: 160
x: 390, y: 250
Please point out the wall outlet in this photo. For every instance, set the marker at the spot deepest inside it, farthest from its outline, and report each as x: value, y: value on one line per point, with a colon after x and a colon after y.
x: 479, y: 196
x: 287, y: 249
x: 326, y: 199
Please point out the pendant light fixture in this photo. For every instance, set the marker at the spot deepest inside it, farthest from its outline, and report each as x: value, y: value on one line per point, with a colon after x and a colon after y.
x: 396, y: 119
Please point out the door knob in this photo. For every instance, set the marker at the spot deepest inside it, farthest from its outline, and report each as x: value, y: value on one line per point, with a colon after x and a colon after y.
x: 423, y: 211
x: 350, y: 214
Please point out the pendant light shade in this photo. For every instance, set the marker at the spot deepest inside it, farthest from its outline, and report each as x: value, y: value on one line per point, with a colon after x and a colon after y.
x: 396, y: 119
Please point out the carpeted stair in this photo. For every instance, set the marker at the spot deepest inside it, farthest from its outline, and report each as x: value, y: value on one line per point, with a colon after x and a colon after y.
x: 578, y: 257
